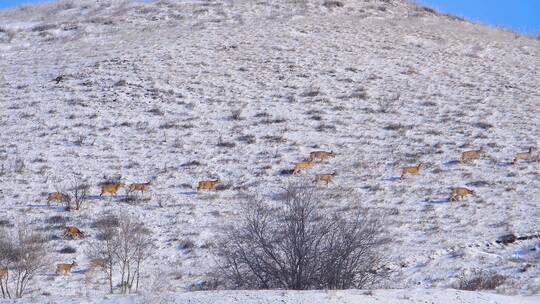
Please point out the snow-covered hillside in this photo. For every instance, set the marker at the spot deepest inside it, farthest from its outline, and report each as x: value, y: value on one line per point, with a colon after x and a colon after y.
x: 182, y: 91
x: 433, y: 296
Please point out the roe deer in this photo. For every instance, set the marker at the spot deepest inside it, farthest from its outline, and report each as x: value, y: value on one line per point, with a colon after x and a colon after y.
x: 112, y: 189
x: 58, y: 197
x: 523, y: 156
x: 471, y: 155
x: 96, y: 264
x: 73, y: 233
x: 321, y: 155
x: 3, y: 273
x: 207, y: 185
x: 143, y: 187
x: 303, y: 166
x: 65, y: 268
x: 538, y: 157
x: 327, y: 178
x: 411, y: 170
x: 460, y: 193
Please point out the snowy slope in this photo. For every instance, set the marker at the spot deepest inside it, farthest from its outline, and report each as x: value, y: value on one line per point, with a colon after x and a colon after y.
x: 153, y: 88
x: 433, y: 296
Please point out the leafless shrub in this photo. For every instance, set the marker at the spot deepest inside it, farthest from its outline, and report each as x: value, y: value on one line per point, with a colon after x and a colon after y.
x: 426, y: 9
x: 169, y: 125
x: 57, y: 221
x: 23, y: 253
x: 67, y: 250
x: 397, y: 127
x: 225, y: 144
x: 6, y: 35
x: 358, y: 94
x: 82, y: 139
x: 325, y: 127
x: 262, y: 114
x: 105, y: 221
x: 248, y: 139
x: 78, y: 193
x: 269, y: 121
x: 192, y: 163
x: 237, y: 115
x: 483, y: 125
x: 299, y: 244
x: 19, y: 165
x: 120, y: 83
x: 479, y: 280
x: 387, y: 104
x: 156, y: 111
x: 311, y: 93
x: 44, y: 27
x: 274, y: 138
x: 124, y: 248
x: 186, y: 244
x: 332, y: 4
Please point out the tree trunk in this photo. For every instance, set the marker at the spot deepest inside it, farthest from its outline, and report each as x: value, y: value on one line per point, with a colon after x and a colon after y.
x: 138, y: 275
x: 7, y: 286
x: 17, y: 287
x: 2, y: 286
x: 110, y: 276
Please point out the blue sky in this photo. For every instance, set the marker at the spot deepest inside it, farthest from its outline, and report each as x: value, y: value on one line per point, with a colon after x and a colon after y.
x: 519, y: 15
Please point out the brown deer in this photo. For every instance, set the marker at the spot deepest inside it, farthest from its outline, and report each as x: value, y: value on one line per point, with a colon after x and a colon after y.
x: 58, y: 197
x: 471, y: 155
x: 112, y: 188
x: 526, y: 156
x: 460, y: 193
x: 415, y: 170
x: 73, y: 233
x: 303, y: 166
x: 538, y: 157
x: 4, y: 274
x: 321, y: 155
x: 65, y: 268
x: 327, y: 178
x: 208, y: 185
x: 143, y: 187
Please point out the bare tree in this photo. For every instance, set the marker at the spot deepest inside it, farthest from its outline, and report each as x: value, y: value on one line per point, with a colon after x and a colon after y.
x: 106, y: 247
x: 78, y: 193
x: 125, y: 247
x: 143, y: 249
x: 134, y: 247
x: 24, y: 253
x: 300, y: 244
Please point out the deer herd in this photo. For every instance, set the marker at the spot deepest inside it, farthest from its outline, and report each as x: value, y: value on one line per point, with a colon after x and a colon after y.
x: 314, y: 158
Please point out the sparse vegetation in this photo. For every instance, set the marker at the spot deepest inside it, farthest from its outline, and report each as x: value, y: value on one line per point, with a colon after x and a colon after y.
x: 479, y: 279
x: 6, y: 35
x: 331, y: 4
x: 67, y: 250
